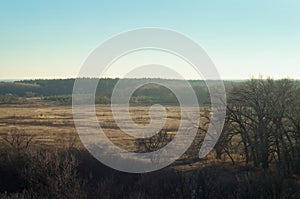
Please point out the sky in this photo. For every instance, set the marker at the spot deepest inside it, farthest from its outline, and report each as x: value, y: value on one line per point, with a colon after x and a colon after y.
x: 52, y: 39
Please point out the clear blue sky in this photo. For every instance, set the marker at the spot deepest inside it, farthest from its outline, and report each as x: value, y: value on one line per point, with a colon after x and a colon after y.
x: 244, y: 38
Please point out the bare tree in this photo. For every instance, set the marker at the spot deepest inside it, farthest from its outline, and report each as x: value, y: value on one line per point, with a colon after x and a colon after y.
x: 18, y: 139
x: 154, y: 143
x: 264, y: 116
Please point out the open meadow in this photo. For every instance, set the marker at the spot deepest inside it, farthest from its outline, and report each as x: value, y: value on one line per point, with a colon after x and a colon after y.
x: 47, y: 125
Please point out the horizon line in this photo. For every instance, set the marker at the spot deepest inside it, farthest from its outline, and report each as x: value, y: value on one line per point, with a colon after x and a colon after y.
x: 63, y: 78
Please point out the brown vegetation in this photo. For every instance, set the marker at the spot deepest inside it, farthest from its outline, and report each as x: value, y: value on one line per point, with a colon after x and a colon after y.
x: 257, y: 155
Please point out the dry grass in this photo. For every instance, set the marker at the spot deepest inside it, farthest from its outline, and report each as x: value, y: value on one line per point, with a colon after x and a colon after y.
x: 72, y: 173
x: 52, y: 125
x: 49, y: 124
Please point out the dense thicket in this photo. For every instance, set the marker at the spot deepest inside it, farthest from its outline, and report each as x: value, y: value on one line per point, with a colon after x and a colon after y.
x: 72, y: 173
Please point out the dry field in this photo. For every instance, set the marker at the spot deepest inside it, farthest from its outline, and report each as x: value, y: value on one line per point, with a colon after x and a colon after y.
x: 48, y: 124
x: 51, y: 125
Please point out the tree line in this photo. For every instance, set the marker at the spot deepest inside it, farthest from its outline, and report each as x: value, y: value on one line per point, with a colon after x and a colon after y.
x: 60, y: 90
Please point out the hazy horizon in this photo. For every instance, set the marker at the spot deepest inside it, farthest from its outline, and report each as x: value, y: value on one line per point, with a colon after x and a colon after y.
x: 58, y: 78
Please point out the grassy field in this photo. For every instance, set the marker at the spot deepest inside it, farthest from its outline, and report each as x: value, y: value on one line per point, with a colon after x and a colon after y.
x: 50, y: 125
x: 41, y: 156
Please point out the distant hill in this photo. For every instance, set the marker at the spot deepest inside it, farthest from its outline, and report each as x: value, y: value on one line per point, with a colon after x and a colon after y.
x: 61, y: 89
x: 9, y: 80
